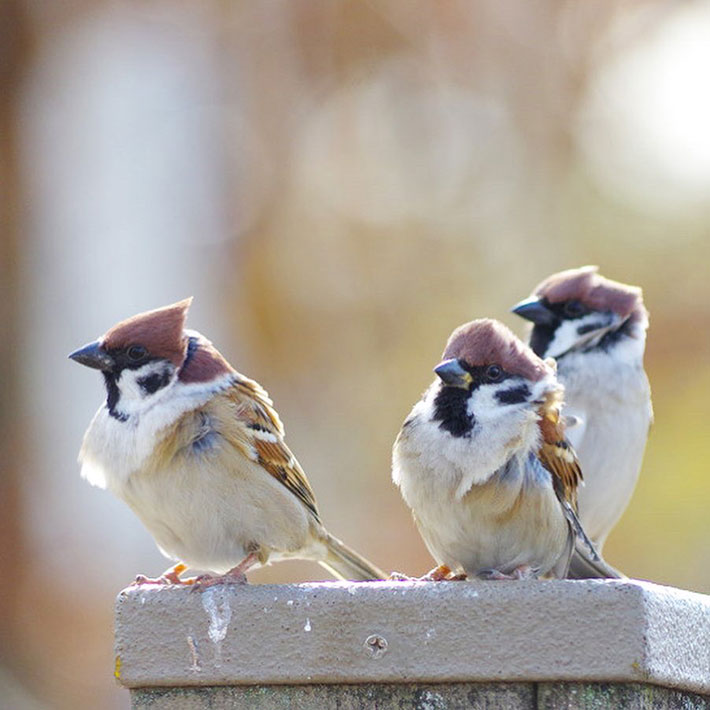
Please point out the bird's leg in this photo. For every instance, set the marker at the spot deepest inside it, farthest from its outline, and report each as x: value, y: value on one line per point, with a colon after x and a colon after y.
x: 490, y: 574
x: 236, y: 575
x: 170, y: 576
x: 442, y: 573
x: 520, y: 572
x: 401, y: 577
x: 525, y: 572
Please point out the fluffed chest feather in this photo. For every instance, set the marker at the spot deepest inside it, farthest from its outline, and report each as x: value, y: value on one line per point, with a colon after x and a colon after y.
x: 208, y: 504
x: 512, y: 519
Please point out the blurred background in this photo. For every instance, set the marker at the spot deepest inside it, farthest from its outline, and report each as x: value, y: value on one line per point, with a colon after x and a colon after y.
x: 339, y: 185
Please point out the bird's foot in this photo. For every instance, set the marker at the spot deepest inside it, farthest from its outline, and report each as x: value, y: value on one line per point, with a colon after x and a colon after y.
x: 520, y: 572
x: 443, y: 573
x: 170, y: 576
x: 493, y: 574
x: 236, y: 575
x: 205, y: 581
x: 525, y: 572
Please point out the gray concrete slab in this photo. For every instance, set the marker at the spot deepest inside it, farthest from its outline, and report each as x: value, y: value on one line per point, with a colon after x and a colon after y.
x: 419, y: 696
x: 407, y: 696
x: 406, y: 632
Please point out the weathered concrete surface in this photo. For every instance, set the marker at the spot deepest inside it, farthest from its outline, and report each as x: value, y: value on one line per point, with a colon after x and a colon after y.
x: 404, y: 632
x: 408, y: 696
x: 616, y: 696
x: 412, y: 696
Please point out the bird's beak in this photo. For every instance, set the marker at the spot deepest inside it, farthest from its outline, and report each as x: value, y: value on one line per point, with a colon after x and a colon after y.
x: 92, y: 355
x: 452, y: 374
x: 533, y: 309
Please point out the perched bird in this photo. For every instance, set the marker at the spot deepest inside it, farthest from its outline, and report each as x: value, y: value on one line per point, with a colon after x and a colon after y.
x: 197, y: 451
x: 595, y: 328
x: 483, y: 463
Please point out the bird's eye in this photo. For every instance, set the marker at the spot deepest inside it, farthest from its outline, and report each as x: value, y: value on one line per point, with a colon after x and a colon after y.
x: 136, y: 352
x: 575, y: 309
x: 494, y: 373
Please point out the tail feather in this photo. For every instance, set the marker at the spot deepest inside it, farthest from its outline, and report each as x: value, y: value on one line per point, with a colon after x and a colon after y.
x: 344, y: 563
x: 584, y: 566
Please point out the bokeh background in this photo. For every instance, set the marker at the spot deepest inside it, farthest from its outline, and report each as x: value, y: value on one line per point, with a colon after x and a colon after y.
x: 339, y: 184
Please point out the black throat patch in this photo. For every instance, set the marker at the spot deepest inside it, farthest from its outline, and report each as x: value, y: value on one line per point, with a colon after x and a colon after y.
x: 113, y: 395
x: 450, y: 410
x: 540, y: 338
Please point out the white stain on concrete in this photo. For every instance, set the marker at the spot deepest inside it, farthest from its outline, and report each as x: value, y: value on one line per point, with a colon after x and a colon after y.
x: 192, y: 645
x: 215, y: 602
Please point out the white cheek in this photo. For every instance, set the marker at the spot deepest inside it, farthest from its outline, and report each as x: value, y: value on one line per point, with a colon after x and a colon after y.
x: 134, y: 400
x: 567, y: 335
x: 128, y: 385
x: 565, y: 338
x: 484, y: 406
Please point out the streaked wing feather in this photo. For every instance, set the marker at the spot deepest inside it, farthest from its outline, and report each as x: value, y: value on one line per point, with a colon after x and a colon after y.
x: 558, y: 456
x: 265, y: 434
x: 256, y: 402
x: 559, y: 459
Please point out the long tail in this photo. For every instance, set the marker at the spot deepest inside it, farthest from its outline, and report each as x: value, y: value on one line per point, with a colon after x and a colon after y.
x: 584, y: 566
x: 344, y: 563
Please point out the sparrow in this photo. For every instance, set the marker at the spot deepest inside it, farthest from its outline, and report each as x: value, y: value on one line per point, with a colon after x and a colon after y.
x: 197, y: 451
x: 483, y: 463
x: 595, y: 329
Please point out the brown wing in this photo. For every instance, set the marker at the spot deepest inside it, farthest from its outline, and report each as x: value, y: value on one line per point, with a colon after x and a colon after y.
x: 557, y: 455
x: 263, y: 437
x: 559, y: 458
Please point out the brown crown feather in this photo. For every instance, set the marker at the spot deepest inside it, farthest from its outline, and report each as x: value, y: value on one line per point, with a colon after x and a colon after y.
x: 488, y: 342
x: 159, y: 331
x: 590, y: 288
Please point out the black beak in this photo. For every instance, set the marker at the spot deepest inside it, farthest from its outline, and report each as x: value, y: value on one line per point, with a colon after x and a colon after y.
x: 533, y: 309
x: 452, y: 374
x: 92, y: 355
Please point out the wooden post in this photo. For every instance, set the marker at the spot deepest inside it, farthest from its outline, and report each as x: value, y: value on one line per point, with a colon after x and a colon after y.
x: 429, y: 646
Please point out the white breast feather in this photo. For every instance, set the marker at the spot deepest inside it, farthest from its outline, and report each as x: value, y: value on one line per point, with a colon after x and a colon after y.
x: 462, y: 462
x: 112, y: 450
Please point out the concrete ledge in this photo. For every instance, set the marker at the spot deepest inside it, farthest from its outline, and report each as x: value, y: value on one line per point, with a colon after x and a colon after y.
x: 414, y: 632
x: 420, y: 696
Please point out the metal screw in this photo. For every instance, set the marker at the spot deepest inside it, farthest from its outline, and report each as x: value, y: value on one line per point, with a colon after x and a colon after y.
x: 376, y: 645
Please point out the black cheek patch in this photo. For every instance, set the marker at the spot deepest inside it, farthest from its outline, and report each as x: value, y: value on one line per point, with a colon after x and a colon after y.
x: 584, y: 329
x: 516, y: 395
x: 614, y: 336
x: 152, y: 383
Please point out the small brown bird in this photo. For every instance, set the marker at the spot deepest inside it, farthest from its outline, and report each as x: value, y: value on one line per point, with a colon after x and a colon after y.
x: 595, y: 328
x: 483, y: 463
x: 197, y: 451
